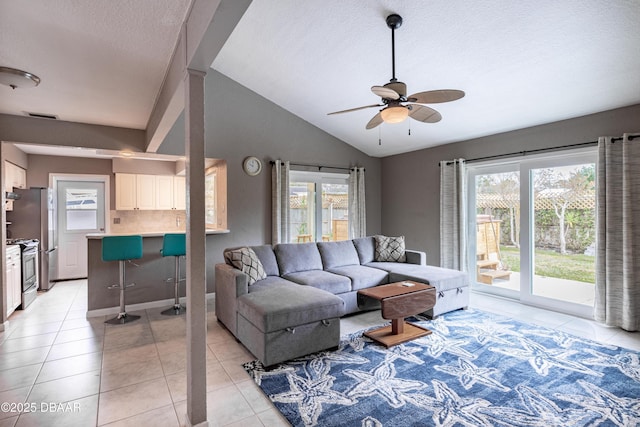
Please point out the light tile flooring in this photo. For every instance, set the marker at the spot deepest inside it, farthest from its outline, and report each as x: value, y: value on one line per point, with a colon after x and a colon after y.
x: 134, y: 374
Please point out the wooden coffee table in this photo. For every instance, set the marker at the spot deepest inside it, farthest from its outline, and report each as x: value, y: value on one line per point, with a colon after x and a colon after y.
x: 399, y: 300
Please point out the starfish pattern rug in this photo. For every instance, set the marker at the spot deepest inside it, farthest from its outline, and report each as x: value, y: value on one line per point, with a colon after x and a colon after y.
x: 475, y: 369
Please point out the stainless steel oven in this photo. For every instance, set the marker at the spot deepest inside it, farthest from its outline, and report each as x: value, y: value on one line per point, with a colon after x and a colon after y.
x: 29, y: 256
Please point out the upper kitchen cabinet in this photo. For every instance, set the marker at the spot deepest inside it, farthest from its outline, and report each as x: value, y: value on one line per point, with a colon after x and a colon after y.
x: 149, y: 192
x: 164, y: 192
x: 179, y: 193
x: 14, y: 177
x: 170, y: 193
x: 135, y: 192
x: 146, y: 188
x: 126, y: 192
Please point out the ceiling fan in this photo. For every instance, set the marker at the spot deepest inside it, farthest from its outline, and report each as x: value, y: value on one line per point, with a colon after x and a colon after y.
x: 397, y: 105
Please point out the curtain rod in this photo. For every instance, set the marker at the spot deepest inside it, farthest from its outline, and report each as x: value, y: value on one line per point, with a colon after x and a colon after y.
x: 320, y: 167
x: 540, y: 150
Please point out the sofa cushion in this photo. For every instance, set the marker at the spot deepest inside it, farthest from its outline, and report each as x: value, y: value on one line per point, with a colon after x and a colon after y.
x: 390, y: 249
x: 246, y: 260
x: 270, y: 282
x: 366, y: 248
x: 321, y: 279
x: 294, y: 257
x: 277, y: 308
x: 268, y: 259
x: 362, y: 277
x: 338, y: 254
x: 442, y: 279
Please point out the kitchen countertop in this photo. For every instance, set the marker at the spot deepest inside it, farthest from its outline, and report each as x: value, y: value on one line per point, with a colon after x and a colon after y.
x: 148, y: 233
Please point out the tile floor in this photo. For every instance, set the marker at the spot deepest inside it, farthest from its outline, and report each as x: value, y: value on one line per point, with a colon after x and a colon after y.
x: 134, y: 374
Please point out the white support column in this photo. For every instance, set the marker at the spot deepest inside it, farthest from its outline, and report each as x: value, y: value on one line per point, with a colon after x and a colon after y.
x: 196, y: 245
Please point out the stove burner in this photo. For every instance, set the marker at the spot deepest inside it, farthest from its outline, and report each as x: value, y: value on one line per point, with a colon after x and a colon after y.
x: 23, y: 242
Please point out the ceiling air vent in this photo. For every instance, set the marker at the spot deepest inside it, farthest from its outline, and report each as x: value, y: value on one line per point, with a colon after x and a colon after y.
x: 43, y: 116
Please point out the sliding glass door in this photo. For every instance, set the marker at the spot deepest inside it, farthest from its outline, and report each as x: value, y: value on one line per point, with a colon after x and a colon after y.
x: 494, y: 228
x: 532, y: 230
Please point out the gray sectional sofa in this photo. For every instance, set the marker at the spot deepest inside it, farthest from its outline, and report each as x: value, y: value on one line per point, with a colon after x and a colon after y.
x: 295, y: 310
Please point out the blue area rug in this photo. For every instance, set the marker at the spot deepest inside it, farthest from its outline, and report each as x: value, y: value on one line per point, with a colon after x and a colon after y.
x: 476, y: 369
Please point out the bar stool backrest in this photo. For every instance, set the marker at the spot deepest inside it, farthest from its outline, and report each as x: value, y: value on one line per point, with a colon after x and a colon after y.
x: 174, y: 244
x: 121, y: 248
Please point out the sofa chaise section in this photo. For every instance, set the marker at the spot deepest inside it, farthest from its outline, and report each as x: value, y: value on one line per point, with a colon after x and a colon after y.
x: 289, y: 321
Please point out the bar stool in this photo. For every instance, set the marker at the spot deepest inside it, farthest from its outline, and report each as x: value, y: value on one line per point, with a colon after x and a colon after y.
x: 121, y: 249
x: 174, y: 244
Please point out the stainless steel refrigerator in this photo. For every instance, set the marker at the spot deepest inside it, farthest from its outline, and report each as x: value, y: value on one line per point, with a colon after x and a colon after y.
x: 33, y: 217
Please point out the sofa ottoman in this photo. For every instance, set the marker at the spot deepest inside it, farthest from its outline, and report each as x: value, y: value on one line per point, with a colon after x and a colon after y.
x: 285, y: 322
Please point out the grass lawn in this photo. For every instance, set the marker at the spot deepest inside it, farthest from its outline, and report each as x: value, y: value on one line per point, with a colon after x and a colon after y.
x: 552, y: 264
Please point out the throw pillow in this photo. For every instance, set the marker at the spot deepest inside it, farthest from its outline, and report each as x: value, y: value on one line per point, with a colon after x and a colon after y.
x: 246, y: 260
x: 390, y: 249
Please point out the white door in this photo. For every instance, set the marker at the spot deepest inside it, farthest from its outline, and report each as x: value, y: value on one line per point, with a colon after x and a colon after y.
x: 80, y: 210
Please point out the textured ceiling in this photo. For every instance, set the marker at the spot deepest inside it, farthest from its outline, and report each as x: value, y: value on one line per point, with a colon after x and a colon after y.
x: 521, y: 63
x: 101, y: 62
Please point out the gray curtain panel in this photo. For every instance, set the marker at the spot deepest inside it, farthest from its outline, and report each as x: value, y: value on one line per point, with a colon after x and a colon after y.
x: 357, y: 204
x: 280, y: 202
x: 618, y: 233
x: 453, y: 213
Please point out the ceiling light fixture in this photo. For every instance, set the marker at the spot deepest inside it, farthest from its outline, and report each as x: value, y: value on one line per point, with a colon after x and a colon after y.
x: 394, y: 94
x: 394, y: 114
x: 17, y: 78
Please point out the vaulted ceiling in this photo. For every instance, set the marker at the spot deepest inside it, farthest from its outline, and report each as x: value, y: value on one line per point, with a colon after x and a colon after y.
x: 520, y: 63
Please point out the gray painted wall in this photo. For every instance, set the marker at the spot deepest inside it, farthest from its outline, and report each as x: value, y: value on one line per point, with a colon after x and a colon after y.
x: 241, y: 123
x: 41, y: 166
x: 411, y: 181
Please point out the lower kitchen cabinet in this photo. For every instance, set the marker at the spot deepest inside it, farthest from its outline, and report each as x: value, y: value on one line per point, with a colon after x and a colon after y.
x: 14, y: 278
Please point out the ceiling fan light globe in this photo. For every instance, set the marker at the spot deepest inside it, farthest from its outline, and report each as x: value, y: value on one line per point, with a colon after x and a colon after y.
x: 394, y: 114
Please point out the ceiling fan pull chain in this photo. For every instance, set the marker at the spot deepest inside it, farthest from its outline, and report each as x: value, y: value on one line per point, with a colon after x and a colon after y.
x: 379, y: 135
x: 409, y: 128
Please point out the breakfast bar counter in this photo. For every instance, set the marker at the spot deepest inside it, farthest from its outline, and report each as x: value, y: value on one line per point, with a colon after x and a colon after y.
x: 149, y: 273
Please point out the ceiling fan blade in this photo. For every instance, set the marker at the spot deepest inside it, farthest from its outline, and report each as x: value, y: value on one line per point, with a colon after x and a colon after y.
x: 436, y: 96
x: 375, y: 121
x: 356, y: 109
x: 385, y: 92
x: 424, y: 114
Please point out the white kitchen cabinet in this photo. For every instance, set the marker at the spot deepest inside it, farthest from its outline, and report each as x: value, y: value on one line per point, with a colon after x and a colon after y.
x: 179, y: 193
x: 126, y: 192
x: 13, y: 278
x: 135, y: 192
x: 164, y: 192
x: 146, y: 192
x: 150, y: 192
x: 14, y: 177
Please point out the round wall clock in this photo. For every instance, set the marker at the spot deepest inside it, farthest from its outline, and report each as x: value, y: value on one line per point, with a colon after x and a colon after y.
x: 252, y: 165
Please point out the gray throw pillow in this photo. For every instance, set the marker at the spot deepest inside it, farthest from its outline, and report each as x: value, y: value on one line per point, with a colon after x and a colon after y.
x: 390, y: 249
x: 246, y: 260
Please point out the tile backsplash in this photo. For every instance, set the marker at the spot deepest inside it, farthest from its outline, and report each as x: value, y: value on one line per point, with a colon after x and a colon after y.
x: 147, y: 221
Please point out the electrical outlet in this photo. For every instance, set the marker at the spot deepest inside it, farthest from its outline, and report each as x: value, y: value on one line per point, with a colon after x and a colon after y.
x: 116, y: 220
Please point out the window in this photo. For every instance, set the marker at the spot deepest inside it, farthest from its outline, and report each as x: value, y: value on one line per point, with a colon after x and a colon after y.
x: 210, y: 199
x: 532, y: 230
x: 81, y: 209
x: 318, y: 205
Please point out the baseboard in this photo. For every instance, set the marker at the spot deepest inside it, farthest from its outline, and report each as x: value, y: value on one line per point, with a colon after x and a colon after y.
x: 140, y: 306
